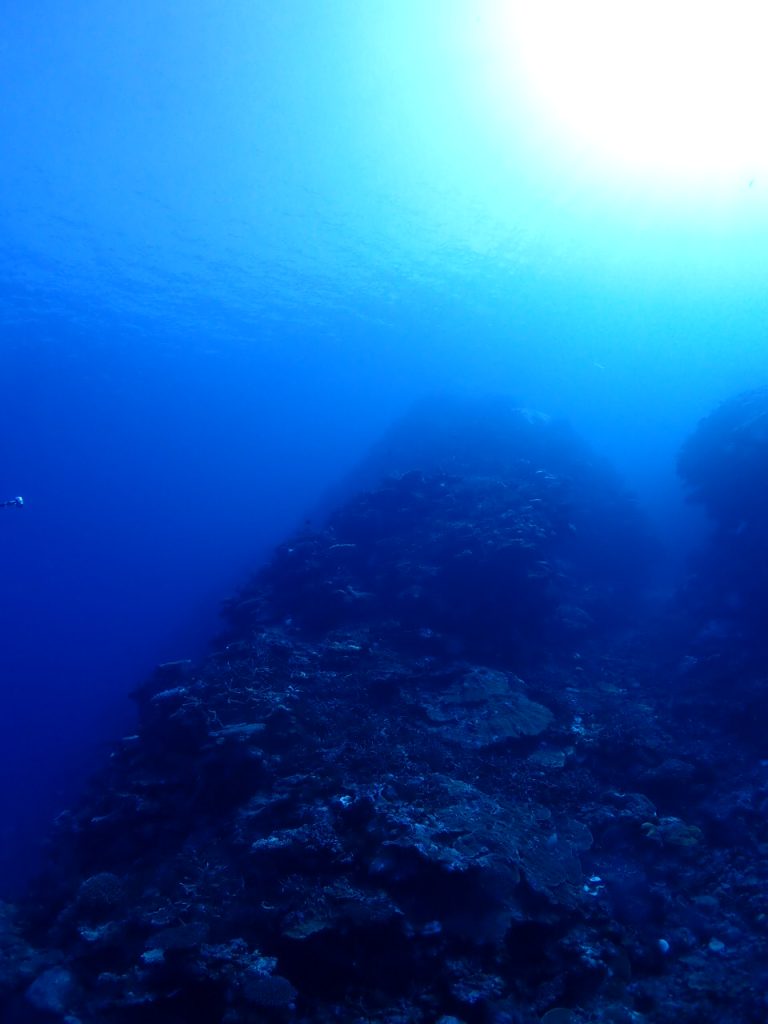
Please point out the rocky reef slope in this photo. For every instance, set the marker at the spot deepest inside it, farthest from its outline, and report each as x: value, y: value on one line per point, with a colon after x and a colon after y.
x: 433, y: 771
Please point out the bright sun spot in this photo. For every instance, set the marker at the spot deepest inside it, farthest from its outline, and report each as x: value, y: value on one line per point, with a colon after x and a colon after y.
x: 670, y: 89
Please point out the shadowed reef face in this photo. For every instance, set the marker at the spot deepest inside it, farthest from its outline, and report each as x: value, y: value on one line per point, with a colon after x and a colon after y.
x: 723, y: 466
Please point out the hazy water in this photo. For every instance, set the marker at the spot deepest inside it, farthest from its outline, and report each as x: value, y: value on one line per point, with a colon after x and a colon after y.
x: 236, y: 240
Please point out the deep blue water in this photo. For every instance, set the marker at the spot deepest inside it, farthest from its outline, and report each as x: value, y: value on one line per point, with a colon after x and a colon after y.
x: 237, y: 240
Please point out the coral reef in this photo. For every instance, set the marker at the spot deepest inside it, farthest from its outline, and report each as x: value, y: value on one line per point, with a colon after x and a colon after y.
x: 433, y: 771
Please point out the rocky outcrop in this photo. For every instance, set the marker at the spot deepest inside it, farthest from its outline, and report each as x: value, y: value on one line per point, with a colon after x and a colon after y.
x: 723, y: 466
x: 421, y: 778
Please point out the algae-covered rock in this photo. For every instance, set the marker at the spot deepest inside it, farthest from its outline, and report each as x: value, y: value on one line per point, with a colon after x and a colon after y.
x: 483, y: 707
x: 53, y: 991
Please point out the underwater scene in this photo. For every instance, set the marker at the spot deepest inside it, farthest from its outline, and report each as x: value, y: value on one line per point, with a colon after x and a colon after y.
x: 384, y: 512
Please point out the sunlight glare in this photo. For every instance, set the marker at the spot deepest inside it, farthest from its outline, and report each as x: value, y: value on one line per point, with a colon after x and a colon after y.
x: 672, y: 89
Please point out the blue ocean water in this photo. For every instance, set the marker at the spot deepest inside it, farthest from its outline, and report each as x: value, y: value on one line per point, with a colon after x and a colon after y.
x: 237, y: 241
